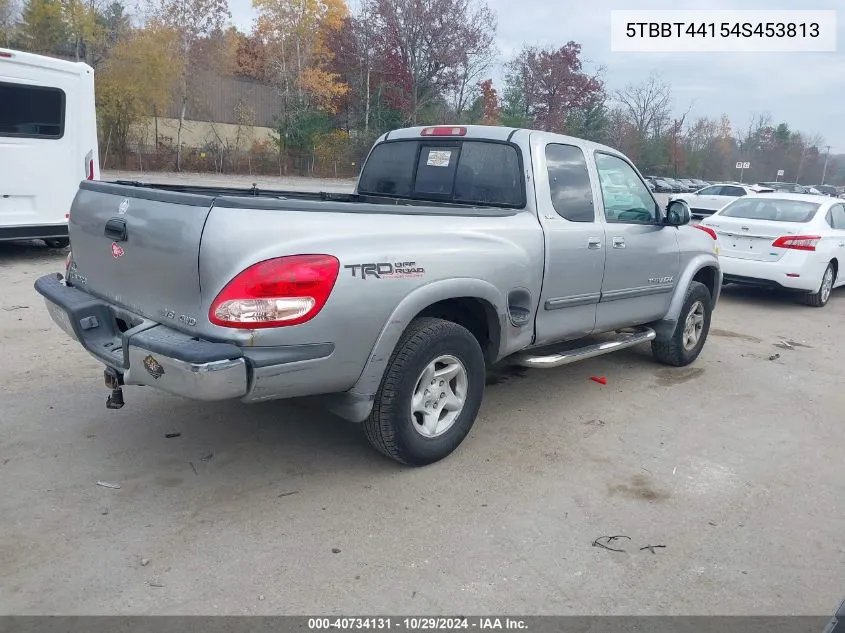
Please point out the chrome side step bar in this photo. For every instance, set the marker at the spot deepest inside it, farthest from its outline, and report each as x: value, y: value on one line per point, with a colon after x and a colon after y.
x: 623, y: 340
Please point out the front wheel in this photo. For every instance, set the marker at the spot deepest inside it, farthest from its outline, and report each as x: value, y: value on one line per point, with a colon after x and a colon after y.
x: 820, y: 297
x: 691, y: 330
x: 430, y: 394
x: 58, y: 242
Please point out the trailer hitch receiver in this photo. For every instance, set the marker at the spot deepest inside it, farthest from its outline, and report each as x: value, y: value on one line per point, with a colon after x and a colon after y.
x: 114, y: 381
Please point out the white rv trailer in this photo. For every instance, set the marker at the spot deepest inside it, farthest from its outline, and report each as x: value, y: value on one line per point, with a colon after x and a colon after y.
x: 48, y: 143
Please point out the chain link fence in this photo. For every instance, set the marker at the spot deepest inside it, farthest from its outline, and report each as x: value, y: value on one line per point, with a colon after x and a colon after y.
x: 323, y: 161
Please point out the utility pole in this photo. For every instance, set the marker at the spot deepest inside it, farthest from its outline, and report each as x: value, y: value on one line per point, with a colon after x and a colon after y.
x: 826, y: 157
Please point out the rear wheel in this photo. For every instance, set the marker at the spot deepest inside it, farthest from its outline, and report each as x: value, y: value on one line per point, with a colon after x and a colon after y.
x: 430, y: 394
x: 820, y: 297
x: 58, y: 242
x: 691, y: 331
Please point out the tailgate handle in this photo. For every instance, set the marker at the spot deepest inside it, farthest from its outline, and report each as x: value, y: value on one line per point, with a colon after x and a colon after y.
x: 116, y: 230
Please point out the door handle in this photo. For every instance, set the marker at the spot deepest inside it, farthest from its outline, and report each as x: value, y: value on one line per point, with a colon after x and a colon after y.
x: 594, y: 243
x: 841, y: 243
x: 618, y: 242
x: 116, y: 230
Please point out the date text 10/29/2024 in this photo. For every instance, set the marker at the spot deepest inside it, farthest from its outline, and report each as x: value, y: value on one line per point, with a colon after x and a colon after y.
x: 418, y: 623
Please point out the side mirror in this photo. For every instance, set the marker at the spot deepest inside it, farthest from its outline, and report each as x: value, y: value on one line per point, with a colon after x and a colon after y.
x: 677, y: 214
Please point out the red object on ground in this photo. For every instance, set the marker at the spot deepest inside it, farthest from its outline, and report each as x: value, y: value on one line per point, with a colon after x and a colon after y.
x: 599, y: 379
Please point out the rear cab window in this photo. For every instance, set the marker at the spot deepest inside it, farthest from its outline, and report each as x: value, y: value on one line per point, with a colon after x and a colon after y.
x: 477, y: 172
x: 31, y: 111
x: 772, y: 210
x: 569, y: 183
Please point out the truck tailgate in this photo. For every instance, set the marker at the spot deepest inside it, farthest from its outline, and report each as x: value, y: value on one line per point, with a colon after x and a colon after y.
x: 140, y: 249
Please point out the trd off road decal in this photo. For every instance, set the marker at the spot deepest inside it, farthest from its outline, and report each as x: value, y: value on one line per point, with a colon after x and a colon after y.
x: 386, y: 270
x: 153, y: 367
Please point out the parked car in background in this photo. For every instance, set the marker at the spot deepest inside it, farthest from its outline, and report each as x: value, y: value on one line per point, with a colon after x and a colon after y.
x: 786, y: 187
x: 660, y: 185
x: 827, y: 190
x: 48, y: 143
x: 783, y: 240
x: 708, y: 200
x: 812, y: 190
x: 690, y: 184
x: 676, y: 186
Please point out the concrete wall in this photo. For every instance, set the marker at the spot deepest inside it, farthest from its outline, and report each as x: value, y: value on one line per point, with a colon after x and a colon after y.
x: 197, y: 134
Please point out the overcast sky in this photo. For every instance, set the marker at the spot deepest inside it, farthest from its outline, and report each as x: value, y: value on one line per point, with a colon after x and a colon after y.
x: 806, y: 90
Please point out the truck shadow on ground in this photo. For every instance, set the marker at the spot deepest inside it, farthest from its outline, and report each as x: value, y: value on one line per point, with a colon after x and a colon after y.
x: 280, y: 440
x: 30, y: 251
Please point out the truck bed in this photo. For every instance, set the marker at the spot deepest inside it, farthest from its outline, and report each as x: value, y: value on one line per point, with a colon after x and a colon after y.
x: 236, y: 197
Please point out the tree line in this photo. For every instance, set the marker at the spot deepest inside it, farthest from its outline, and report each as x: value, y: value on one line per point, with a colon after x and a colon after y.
x: 344, y: 77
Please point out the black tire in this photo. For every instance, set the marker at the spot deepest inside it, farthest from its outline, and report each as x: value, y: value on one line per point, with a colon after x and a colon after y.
x: 390, y: 428
x: 672, y: 351
x: 820, y: 297
x: 58, y: 242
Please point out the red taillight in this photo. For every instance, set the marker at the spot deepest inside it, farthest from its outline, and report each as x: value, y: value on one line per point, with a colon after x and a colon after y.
x: 444, y: 131
x: 91, y: 169
x: 707, y: 230
x: 276, y: 292
x: 5, y: 54
x: 797, y: 242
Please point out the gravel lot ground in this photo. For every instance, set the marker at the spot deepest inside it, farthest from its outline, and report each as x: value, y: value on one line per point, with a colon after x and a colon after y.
x: 734, y: 464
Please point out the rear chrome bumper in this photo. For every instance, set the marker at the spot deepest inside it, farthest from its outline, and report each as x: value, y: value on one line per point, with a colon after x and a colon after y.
x: 216, y: 380
x: 144, y: 352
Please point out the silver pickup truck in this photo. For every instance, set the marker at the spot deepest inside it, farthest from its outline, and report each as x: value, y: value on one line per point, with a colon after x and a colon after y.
x: 460, y: 248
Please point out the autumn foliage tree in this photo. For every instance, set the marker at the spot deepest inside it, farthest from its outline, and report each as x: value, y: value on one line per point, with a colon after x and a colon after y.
x: 489, y: 103
x: 297, y: 35
x: 191, y: 20
x: 43, y: 29
x: 136, y: 81
x: 550, y: 84
x: 431, y: 47
x: 8, y: 24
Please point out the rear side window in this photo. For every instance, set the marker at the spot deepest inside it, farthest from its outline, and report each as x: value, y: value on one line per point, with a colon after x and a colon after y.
x: 473, y: 172
x: 569, y: 183
x: 711, y: 191
x: 734, y: 192
x: 837, y: 217
x: 389, y: 170
x: 770, y: 209
x: 31, y: 111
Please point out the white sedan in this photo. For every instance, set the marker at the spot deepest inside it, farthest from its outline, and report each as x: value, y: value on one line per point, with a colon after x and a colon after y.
x: 783, y: 240
x: 708, y: 200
